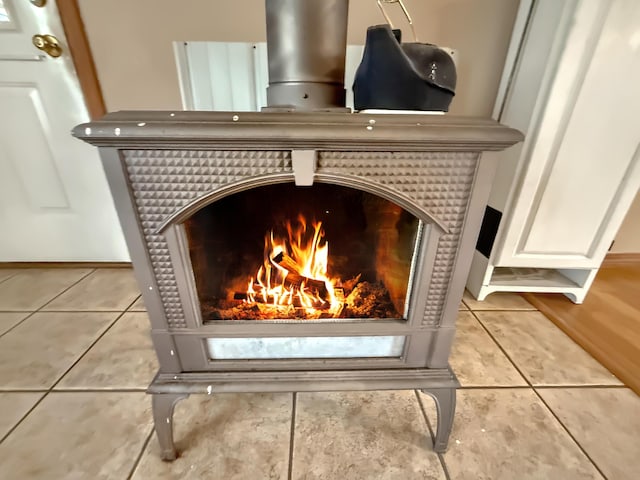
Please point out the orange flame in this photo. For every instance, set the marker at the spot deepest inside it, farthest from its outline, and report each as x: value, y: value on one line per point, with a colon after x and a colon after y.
x: 294, y: 270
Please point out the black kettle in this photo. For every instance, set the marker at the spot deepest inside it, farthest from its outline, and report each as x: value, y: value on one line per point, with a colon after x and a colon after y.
x: 403, y: 76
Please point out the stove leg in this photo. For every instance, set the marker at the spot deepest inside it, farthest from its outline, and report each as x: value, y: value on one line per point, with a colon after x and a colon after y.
x: 446, y: 407
x: 162, y: 406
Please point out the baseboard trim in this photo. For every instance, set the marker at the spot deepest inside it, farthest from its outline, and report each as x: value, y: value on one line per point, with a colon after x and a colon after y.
x: 25, y: 265
x: 619, y: 259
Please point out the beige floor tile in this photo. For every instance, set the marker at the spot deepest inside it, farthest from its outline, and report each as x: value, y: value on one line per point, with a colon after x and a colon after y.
x: 542, y: 352
x: 225, y: 437
x: 13, y: 406
x: 508, y: 434
x: 605, y: 422
x: 9, y: 319
x: 477, y: 360
x: 35, y: 353
x: 30, y: 289
x: 122, y: 358
x: 8, y: 273
x: 498, y: 301
x: 78, y: 436
x: 105, y: 289
x: 362, y: 435
x: 138, y: 306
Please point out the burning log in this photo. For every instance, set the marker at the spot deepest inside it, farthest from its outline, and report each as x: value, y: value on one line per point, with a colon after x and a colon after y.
x: 272, y: 300
x: 295, y: 277
x: 286, y: 262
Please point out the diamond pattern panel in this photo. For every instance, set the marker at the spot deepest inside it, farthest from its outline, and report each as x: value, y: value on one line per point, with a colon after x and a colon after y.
x: 440, y: 182
x: 163, y: 181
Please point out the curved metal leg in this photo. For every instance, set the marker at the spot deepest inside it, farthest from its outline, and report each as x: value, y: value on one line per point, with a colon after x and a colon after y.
x: 446, y: 407
x: 162, y: 406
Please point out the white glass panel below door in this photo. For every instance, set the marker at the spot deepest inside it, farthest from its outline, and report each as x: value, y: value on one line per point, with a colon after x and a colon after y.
x: 305, y: 347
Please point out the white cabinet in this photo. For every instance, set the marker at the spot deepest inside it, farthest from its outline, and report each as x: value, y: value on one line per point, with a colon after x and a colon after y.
x: 563, y: 194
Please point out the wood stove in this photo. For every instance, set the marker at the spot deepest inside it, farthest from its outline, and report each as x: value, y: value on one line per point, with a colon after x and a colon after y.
x: 299, y: 251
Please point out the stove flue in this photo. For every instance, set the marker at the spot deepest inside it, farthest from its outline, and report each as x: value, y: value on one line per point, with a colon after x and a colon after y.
x: 306, y: 47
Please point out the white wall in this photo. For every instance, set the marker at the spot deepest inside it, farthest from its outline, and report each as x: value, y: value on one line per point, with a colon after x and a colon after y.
x: 132, y: 40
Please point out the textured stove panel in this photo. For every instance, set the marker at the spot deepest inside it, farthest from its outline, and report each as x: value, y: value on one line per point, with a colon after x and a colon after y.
x: 163, y: 181
x: 439, y: 182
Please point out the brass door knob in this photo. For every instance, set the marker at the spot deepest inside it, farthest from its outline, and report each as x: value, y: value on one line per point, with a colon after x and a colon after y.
x: 48, y: 44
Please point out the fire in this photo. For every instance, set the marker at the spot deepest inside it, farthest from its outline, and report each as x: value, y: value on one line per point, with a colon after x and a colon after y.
x: 294, y: 271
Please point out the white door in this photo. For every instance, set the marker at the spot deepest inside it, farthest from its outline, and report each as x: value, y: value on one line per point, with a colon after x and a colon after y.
x: 583, y: 168
x: 55, y: 204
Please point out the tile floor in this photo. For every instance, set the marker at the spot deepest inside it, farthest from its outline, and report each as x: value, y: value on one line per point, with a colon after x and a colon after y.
x: 75, y: 358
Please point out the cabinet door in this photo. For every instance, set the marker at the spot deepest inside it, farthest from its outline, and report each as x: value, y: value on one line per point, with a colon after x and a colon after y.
x: 582, y: 161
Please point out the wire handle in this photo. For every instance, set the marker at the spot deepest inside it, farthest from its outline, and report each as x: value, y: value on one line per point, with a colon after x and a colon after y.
x: 404, y: 10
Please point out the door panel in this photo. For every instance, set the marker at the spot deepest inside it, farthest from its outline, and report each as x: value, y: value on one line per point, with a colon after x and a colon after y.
x: 33, y: 161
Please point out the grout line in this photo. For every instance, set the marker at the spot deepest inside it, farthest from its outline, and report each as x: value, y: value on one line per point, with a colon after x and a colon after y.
x: 433, y: 436
x: 529, y: 384
x: 134, y: 302
x: 504, y: 310
x: 541, y: 399
x: 92, y: 271
x: 89, y: 348
x: 494, y: 387
x: 294, y: 403
x: 24, y: 390
x: 17, y: 311
x: 100, y: 390
x: 30, y: 314
x: 511, y: 387
x: 139, y: 457
x: 12, y: 429
x: 584, y: 385
x: 7, y: 278
x: 84, y: 311
x: 47, y: 303
x: 504, y: 352
x: 86, y: 351
x: 586, y: 454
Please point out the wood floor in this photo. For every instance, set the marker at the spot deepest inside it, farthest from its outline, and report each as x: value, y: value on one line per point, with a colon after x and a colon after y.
x: 607, y: 324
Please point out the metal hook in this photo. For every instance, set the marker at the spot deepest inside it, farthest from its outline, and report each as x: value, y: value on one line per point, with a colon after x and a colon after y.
x: 404, y: 10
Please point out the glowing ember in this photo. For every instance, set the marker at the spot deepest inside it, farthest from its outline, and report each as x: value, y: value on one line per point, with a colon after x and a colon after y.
x: 294, y: 271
